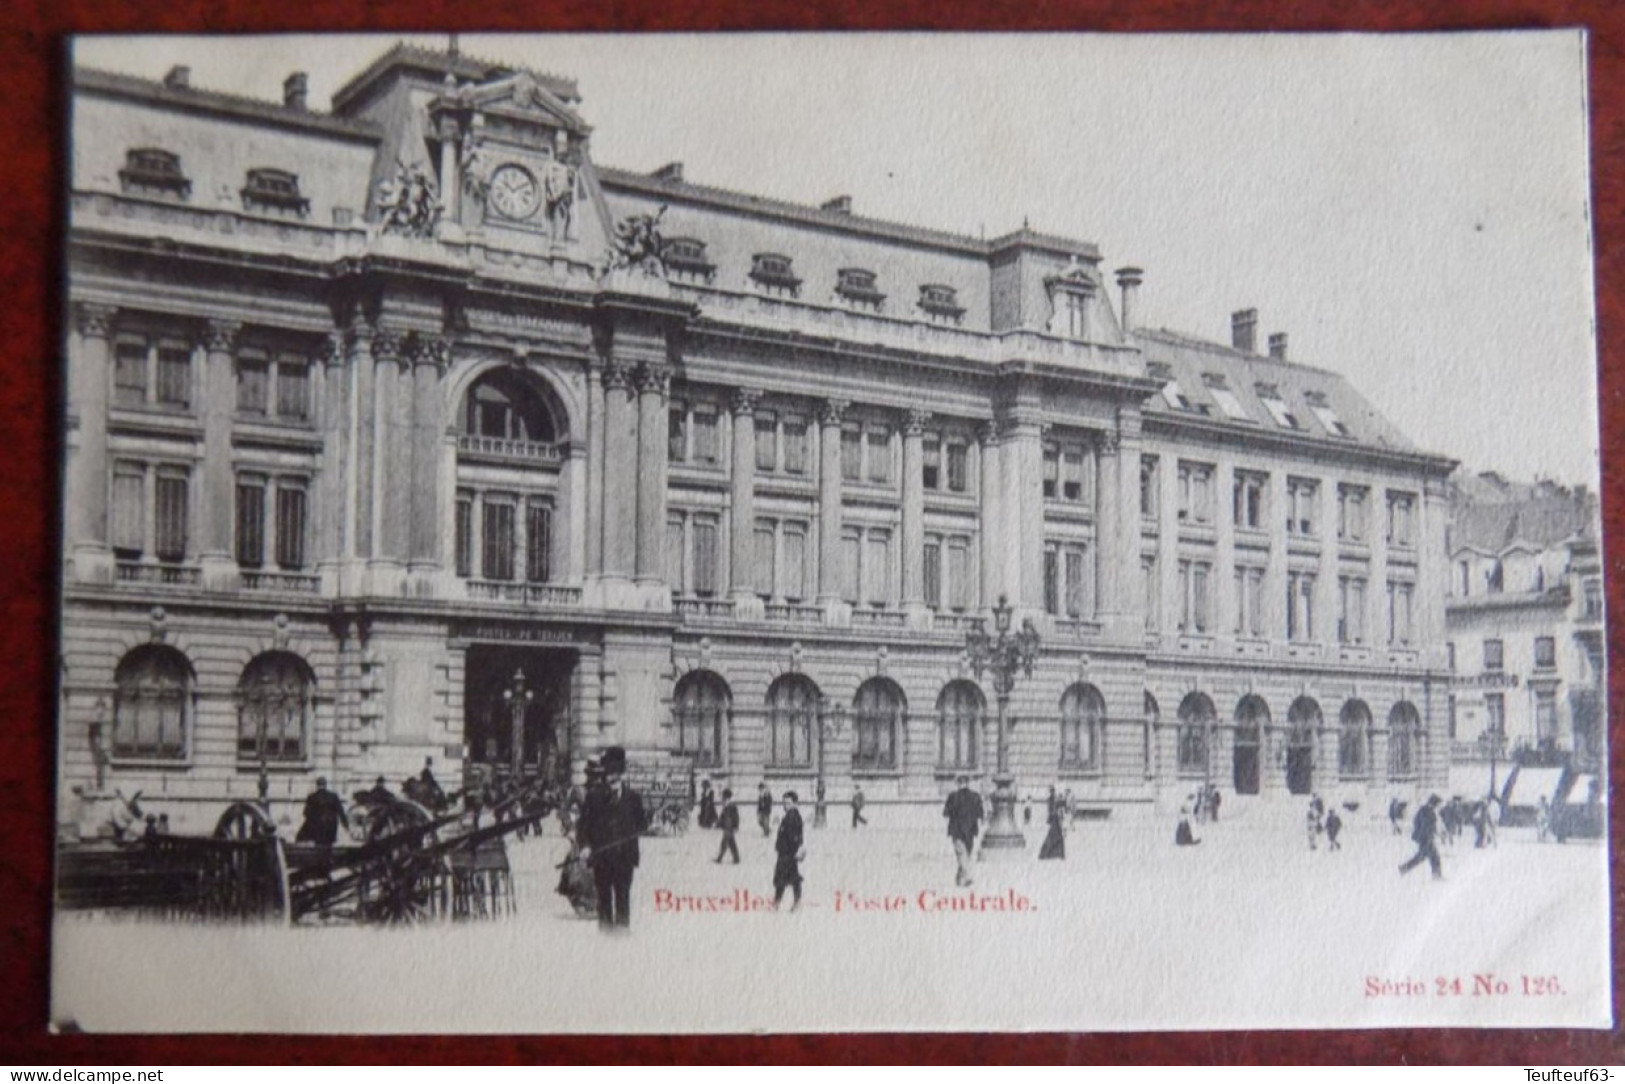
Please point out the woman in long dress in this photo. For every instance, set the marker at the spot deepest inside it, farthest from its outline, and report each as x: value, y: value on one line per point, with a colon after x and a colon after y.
x: 1055, y: 842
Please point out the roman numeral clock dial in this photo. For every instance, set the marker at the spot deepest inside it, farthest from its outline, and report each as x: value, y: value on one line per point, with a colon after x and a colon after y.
x: 514, y: 192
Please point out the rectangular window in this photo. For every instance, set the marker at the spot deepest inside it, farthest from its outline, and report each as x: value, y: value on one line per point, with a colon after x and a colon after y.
x: 465, y: 535
x: 1076, y: 585
x: 878, y: 567
x: 1148, y: 487
x: 1351, y: 503
x: 496, y: 552
x: 129, y: 510
x: 291, y: 505
x: 1052, y: 470
x: 795, y: 562
x: 1301, y: 496
x: 706, y: 440
x: 933, y: 573
x: 1195, y: 493
x: 705, y: 557
x: 1052, y: 581
x: 1350, y: 610
x: 1249, y: 500
x: 852, y: 453
x: 253, y: 386
x: 677, y: 433
x: 851, y: 567
x: 1300, y: 606
x: 1194, y: 582
x: 250, y: 521
x: 878, y: 451
x: 767, y: 442
x: 1545, y: 717
x: 1073, y: 479
x: 795, y: 444
x: 763, y: 572
x: 174, y: 376
x: 538, y: 542
x: 1399, y: 612
x: 1151, y: 592
x: 959, y: 585
x: 958, y: 475
x: 1495, y: 716
x: 1593, y: 600
x: 293, y: 390
x: 1545, y: 652
x: 1492, y: 655
x: 170, y: 514
x: 1401, y: 520
x: 130, y: 374
x: 931, y: 470
x: 1249, y: 601
x: 674, y: 554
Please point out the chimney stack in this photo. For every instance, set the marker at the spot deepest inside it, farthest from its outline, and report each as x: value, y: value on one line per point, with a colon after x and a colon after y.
x: 1129, y: 279
x: 178, y: 78
x: 671, y: 171
x: 296, y: 90
x: 841, y: 205
x: 1278, y: 345
x: 1244, y: 330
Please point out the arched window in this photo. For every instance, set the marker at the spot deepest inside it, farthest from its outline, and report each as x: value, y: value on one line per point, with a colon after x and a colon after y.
x: 152, y: 705
x: 877, y: 714
x: 1404, y: 740
x: 960, y: 710
x: 792, y: 715
x: 1304, y: 721
x: 1252, y: 717
x: 1083, y: 715
x: 1196, y: 719
x: 1354, y: 740
x: 503, y: 405
x: 274, y: 698
x: 700, y: 710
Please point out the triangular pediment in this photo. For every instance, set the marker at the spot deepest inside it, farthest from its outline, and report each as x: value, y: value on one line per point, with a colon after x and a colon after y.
x: 520, y: 97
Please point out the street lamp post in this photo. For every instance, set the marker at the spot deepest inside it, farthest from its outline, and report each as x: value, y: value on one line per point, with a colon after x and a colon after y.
x: 518, y: 697
x: 1003, y: 655
x: 829, y: 726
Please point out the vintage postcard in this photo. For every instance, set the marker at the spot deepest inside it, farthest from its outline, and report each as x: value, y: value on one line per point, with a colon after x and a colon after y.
x: 830, y: 533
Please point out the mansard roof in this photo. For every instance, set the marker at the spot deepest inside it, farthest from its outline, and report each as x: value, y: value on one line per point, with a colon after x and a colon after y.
x: 435, y: 63
x: 195, y: 99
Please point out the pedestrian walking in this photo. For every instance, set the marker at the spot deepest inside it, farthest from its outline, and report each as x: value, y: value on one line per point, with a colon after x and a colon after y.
x: 858, y: 801
x: 964, y: 812
x: 820, y: 810
x: 1425, y: 834
x: 1543, y: 819
x: 1334, y: 825
x: 789, y: 848
x: 1183, y: 836
x: 612, y: 819
x: 729, y: 823
x: 324, y: 813
x: 764, y: 809
x: 708, y: 805
x: 1054, y: 846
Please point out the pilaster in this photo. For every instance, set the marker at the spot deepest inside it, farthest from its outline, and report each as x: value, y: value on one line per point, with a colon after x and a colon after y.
x: 742, y: 500
x: 88, y: 473
x: 654, y: 383
x: 830, y: 415
x: 218, y: 564
x: 914, y: 422
x: 992, y: 515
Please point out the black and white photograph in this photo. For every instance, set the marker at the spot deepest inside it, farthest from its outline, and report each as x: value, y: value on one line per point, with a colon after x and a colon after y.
x: 870, y: 532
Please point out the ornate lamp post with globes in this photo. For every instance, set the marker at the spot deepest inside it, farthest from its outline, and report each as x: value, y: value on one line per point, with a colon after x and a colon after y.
x: 1003, y: 655
x: 518, y: 697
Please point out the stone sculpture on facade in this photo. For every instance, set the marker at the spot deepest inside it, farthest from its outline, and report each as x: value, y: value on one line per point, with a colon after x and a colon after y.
x: 637, y: 245
x: 408, y: 203
x: 559, y: 197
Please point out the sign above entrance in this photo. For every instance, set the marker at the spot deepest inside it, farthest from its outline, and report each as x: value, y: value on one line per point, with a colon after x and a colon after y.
x: 523, y: 633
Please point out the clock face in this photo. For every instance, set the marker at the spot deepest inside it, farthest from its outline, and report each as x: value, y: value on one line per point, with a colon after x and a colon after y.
x: 514, y: 193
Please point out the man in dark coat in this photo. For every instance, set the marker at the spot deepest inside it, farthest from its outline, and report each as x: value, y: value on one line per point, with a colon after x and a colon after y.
x: 764, y: 809
x: 857, y: 807
x: 787, y: 869
x: 728, y: 821
x: 1425, y: 834
x: 964, y: 813
x: 324, y: 813
x: 708, y: 805
x: 612, y: 818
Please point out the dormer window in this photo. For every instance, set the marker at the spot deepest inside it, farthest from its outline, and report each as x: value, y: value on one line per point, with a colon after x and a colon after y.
x: 1328, y: 417
x: 685, y: 260
x: 773, y: 274
x: 1270, y: 396
x: 151, y: 171
x: 941, y: 304
x: 274, y: 190
x: 1172, y: 393
x: 857, y: 287
x: 1219, y: 388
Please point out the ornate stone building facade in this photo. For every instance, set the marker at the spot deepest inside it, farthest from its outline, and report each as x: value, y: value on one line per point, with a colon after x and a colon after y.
x: 406, y: 430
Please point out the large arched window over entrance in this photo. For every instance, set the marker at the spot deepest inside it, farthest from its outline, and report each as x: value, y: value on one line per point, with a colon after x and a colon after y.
x: 274, y: 699
x: 877, y: 717
x: 152, y: 706
x: 1404, y: 740
x: 1354, y: 740
x: 700, y: 708
x: 1083, y: 717
x: 1196, y: 720
x: 960, y: 711
x: 1303, y: 722
x: 1252, y: 722
x: 792, y: 718
x: 504, y: 405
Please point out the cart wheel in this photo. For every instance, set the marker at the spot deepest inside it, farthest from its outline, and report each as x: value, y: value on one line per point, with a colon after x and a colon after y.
x: 410, y: 880
x: 243, y: 820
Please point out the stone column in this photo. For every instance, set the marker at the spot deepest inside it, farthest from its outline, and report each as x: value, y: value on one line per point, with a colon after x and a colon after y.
x: 620, y: 465
x: 1224, y: 601
x: 1108, y: 539
x: 1326, y: 574
x: 1126, y: 562
x: 1168, y: 594
x: 89, y: 378
x: 330, y: 501
x: 1432, y: 570
x: 830, y: 511
x: 593, y: 502
x: 1275, y: 601
x: 429, y: 360
x: 1376, y: 592
x: 218, y: 490
x: 992, y: 515
x: 1021, y: 459
x: 360, y: 343
x: 742, y: 494
x: 654, y: 384
x: 388, y: 352
x: 914, y: 422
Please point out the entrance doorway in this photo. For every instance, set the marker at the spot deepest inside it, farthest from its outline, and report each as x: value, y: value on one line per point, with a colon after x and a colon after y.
x: 516, y: 713
x: 1303, y: 727
x: 1252, y: 716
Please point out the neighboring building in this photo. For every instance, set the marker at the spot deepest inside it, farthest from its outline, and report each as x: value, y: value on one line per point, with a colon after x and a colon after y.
x: 370, y: 459
x: 1524, y: 618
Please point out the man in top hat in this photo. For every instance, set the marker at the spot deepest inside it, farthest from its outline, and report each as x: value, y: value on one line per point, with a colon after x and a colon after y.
x: 324, y: 812
x: 964, y: 811
x: 787, y: 868
x: 612, y: 818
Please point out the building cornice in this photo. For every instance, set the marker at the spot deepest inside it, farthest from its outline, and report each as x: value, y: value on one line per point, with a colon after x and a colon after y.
x: 1159, y: 424
x: 216, y: 104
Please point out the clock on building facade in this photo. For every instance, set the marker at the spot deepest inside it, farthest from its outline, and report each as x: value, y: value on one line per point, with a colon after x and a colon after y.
x: 514, y: 192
